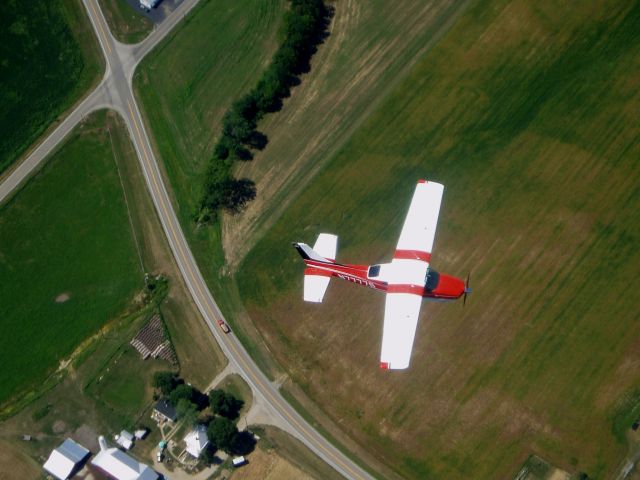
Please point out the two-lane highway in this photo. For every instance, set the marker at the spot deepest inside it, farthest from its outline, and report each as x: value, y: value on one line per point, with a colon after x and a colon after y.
x: 115, y: 91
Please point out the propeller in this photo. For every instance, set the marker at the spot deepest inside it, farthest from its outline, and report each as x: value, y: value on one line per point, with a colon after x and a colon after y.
x: 467, y: 289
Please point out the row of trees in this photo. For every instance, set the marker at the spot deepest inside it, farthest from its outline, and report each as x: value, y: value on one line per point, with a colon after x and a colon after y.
x: 304, y: 27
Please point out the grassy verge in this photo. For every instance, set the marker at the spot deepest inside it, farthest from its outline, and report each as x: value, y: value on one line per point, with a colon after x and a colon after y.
x: 294, y: 452
x: 528, y: 116
x: 49, y: 59
x: 68, y: 260
x: 186, y: 84
x: 126, y: 23
x: 199, y: 356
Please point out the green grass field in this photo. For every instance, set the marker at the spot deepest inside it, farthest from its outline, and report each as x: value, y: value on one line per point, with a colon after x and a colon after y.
x: 68, y: 261
x: 187, y: 84
x: 528, y: 113
x: 127, y: 24
x: 48, y: 59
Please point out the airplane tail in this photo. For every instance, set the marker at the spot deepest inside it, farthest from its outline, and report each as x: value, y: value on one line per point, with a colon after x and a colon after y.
x: 316, y: 280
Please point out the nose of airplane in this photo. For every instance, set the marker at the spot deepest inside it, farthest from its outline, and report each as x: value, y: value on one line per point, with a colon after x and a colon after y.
x: 451, y: 287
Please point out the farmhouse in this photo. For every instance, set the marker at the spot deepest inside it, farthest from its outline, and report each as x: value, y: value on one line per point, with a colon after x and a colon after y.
x: 196, y: 441
x: 117, y: 465
x: 164, y: 412
x: 65, y: 460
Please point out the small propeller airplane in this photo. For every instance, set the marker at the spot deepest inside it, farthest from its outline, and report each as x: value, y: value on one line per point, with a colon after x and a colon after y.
x: 406, y: 280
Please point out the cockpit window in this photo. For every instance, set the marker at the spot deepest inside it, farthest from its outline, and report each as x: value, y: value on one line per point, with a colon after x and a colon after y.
x: 432, y: 280
x: 374, y: 271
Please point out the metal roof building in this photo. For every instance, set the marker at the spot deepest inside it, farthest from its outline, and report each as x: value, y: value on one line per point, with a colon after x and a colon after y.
x: 117, y: 465
x: 64, y: 460
x: 196, y: 440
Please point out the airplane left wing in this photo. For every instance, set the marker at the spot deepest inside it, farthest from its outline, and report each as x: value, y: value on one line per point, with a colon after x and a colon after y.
x: 401, y: 313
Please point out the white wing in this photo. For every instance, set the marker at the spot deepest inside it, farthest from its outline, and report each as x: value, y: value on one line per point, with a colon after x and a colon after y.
x: 401, y: 313
x: 419, y: 227
x: 406, y: 275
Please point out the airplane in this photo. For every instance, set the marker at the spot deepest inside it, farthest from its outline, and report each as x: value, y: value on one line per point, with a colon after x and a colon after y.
x: 407, y: 279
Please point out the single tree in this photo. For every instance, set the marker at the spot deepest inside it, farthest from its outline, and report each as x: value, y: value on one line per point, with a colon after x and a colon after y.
x: 165, y: 382
x: 183, y: 391
x: 187, y: 411
x: 221, y: 432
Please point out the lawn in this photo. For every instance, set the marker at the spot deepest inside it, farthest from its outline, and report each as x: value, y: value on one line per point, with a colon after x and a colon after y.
x: 527, y: 112
x: 48, y: 59
x: 126, y: 23
x: 68, y: 261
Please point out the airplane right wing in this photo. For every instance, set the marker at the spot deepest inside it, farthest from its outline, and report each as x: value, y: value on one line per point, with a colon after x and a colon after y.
x: 419, y: 229
x: 401, y: 313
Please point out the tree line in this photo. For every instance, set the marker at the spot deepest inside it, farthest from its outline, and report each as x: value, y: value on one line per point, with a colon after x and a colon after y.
x: 304, y: 27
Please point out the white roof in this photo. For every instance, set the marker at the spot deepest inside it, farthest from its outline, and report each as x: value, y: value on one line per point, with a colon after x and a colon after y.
x: 196, y: 440
x: 63, y: 459
x: 58, y: 465
x: 406, y: 275
x: 238, y: 461
x: 121, y: 466
x: 125, y: 440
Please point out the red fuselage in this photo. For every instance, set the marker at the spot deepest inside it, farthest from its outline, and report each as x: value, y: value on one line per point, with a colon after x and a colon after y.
x: 439, y: 286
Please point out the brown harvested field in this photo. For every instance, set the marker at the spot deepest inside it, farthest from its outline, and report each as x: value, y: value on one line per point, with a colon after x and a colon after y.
x: 370, y: 48
x: 265, y: 465
x: 15, y: 465
x: 528, y: 113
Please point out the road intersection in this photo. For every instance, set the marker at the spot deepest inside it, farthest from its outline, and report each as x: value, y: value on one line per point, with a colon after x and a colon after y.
x: 115, y: 92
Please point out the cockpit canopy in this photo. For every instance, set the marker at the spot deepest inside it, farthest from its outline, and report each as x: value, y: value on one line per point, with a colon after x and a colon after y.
x: 431, y: 280
x: 374, y: 271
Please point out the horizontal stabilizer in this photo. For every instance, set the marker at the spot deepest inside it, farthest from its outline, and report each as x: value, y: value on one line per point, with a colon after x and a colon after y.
x: 315, y: 284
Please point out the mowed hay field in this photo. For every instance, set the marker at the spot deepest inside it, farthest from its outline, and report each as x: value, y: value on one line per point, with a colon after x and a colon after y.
x: 68, y: 261
x: 528, y: 113
x: 370, y: 47
x: 48, y: 59
x: 215, y: 55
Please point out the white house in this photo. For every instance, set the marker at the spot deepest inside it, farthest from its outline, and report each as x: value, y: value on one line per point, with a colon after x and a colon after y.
x: 117, y: 465
x: 65, y: 459
x: 196, y: 440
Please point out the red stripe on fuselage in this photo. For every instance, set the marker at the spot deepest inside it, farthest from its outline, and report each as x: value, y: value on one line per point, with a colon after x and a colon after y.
x: 317, y: 271
x: 412, y: 255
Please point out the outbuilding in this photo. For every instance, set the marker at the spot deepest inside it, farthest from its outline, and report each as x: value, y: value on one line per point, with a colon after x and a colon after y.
x: 117, y: 465
x: 125, y: 439
x: 66, y: 460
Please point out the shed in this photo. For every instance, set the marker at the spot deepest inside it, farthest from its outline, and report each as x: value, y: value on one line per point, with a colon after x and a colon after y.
x: 125, y: 439
x: 65, y: 460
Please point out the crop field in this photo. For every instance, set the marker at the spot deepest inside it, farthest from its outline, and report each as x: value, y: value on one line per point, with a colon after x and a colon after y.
x: 48, y: 59
x: 528, y: 113
x: 68, y: 261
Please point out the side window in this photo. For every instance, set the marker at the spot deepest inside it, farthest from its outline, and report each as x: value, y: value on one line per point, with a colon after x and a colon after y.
x: 374, y: 271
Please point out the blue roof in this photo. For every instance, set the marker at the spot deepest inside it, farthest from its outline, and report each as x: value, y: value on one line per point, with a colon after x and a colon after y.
x: 73, y: 451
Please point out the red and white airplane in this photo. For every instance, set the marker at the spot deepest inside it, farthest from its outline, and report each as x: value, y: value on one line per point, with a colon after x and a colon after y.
x: 406, y: 280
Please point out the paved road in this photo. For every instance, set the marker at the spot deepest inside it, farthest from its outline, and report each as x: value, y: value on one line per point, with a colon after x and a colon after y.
x: 115, y: 92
